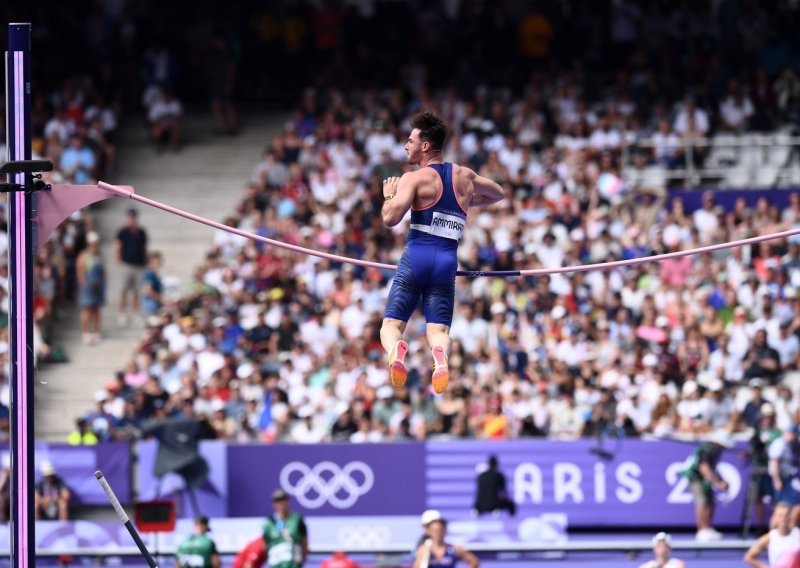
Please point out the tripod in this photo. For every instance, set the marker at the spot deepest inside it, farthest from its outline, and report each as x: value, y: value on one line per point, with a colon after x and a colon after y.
x: 754, y: 485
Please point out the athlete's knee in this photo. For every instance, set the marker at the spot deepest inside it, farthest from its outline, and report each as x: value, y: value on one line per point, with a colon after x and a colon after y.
x: 438, y: 331
x: 392, y: 323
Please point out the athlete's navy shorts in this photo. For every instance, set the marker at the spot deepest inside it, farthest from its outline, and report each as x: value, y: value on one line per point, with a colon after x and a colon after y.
x: 426, y: 270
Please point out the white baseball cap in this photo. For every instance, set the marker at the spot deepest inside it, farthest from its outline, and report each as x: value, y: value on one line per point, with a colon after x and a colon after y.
x: 431, y: 516
x: 662, y: 537
x: 47, y: 468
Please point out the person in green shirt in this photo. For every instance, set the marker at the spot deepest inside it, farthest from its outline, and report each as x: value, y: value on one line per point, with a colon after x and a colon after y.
x: 285, y: 535
x: 198, y: 550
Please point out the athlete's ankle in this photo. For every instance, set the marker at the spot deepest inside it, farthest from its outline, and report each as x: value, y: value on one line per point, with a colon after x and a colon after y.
x: 439, y: 355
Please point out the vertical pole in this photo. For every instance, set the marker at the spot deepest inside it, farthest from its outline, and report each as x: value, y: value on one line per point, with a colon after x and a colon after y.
x: 18, y: 142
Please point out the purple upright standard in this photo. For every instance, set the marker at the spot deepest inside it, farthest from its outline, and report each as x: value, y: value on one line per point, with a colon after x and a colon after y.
x: 18, y: 142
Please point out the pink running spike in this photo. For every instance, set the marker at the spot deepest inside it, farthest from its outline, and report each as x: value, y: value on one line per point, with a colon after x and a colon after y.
x: 441, y: 373
x: 398, y: 372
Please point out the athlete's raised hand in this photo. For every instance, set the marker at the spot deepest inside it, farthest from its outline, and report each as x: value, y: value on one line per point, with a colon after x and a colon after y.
x: 390, y: 186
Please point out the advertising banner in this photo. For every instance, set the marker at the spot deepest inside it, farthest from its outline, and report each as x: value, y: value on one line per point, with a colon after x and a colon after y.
x: 555, y: 485
x: 328, y: 479
x: 76, y: 466
x: 636, y: 483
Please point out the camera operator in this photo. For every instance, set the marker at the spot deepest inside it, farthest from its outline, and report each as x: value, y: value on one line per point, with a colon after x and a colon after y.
x: 760, y: 481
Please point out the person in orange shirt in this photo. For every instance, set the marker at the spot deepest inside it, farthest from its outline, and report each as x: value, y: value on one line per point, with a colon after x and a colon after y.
x: 495, y: 424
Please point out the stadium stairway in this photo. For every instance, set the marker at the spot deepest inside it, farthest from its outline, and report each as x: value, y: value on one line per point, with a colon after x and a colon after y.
x: 206, y: 177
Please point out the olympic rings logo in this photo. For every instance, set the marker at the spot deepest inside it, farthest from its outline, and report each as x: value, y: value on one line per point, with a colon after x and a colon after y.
x: 326, y: 482
x: 363, y: 535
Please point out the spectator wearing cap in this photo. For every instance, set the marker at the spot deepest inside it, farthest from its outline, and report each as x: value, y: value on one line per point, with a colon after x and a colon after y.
x: 719, y: 404
x: 763, y: 435
x: 91, y: 276
x: 692, y: 409
x: 662, y: 552
x: 434, y: 551
x: 781, y: 543
x: 285, y: 534
x: 100, y: 420
x: 703, y: 478
x: 130, y: 249
x: 751, y: 414
x: 198, y: 550
x: 52, y: 496
x: 784, y: 454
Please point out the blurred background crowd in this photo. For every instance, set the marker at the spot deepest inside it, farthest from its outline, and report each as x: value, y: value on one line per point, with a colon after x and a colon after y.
x: 272, y: 346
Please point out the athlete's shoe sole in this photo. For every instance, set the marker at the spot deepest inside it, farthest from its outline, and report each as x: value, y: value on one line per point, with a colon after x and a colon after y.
x: 398, y: 373
x: 441, y: 373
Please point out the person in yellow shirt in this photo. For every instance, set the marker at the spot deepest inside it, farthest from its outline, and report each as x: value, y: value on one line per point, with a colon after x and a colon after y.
x: 82, y: 435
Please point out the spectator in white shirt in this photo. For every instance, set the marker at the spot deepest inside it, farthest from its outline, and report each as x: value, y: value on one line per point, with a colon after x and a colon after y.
x: 471, y: 331
x: 705, y: 219
x: 667, y: 146
x: 722, y: 364
x: 566, y: 421
x: 700, y: 118
x: 165, y: 120
x: 307, y: 430
x: 60, y: 125
x: 787, y: 345
x: 736, y: 109
x: 719, y: 405
x: 378, y: 142
x: 605, y: 137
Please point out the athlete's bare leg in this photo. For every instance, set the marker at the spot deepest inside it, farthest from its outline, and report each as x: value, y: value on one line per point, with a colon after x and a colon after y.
x: 439, y: 340
x: 392, y: 341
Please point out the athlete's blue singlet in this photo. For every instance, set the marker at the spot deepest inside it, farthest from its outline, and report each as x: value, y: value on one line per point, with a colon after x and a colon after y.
x: 428, y: 266
x: 448, y: 560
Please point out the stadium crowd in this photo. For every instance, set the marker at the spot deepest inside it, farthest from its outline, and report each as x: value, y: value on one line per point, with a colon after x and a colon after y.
x: 273, y: 346
x: 74, y: 127
x: 91, y: 59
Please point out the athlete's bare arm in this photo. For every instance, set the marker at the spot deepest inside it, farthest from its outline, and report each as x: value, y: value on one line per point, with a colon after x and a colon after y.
x: 485, y: 191
x: 467, y: 556
x: 760, y: 546
x: 400, y: 193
